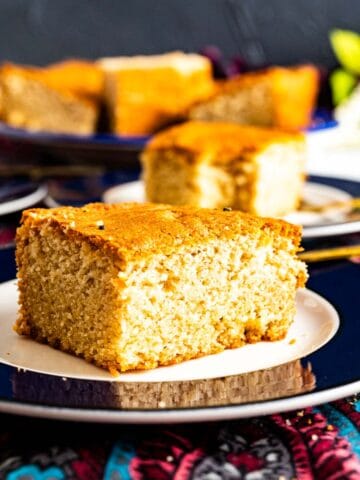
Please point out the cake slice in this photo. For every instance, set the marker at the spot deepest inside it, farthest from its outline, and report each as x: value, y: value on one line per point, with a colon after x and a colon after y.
x: 275, y: 97
x: 144, y: 93
x: 62, y: 98
x: 210, y: 164
x: 135, y: 286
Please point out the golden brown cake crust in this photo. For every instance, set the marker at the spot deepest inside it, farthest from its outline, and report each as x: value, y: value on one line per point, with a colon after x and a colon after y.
x: 138, y: 230
x: 220, y: 140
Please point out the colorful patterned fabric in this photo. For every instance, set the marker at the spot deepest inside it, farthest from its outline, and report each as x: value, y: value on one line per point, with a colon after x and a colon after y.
x: 321, y: 443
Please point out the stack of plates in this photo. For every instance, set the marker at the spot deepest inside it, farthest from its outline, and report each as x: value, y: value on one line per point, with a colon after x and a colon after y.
x: 15, y: 196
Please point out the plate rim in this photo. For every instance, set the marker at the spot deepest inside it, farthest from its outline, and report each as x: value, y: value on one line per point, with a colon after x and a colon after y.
x: 322, y: 121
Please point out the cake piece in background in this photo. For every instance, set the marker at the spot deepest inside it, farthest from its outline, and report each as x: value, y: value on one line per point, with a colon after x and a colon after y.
x: 135, y: 286
x: 63, y: 97
x: 278, y: 97
x: 211, y: 164
x: 144, y: 93
x: 81, y: 77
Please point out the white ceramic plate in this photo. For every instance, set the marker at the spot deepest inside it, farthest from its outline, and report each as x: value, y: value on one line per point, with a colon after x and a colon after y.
x: 334, y: 152
x: 315, y: 194
x: 26, y: 201
x: 316, y: 322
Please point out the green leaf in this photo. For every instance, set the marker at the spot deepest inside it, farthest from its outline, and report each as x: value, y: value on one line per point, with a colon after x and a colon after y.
x: 342, y: 84
x: 346, y: 46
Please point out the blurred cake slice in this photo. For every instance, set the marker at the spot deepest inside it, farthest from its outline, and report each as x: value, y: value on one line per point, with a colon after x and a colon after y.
x: 62, y: 98
x: 135, y: 286
x: 278, y: 96
x: 144, y: 93
x: 82, y: 78
x: 210, y: 164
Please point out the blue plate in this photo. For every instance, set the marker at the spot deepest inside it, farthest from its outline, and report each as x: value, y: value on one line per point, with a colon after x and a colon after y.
x: 28, y: 147
x: 101, y: 139
x: 322, y: 120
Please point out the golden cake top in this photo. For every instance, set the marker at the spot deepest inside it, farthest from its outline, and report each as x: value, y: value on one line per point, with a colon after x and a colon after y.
x: 219, y: 141
x: 132, y: 230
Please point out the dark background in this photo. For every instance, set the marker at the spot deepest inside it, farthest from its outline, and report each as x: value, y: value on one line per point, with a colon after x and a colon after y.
x: 261, y: 31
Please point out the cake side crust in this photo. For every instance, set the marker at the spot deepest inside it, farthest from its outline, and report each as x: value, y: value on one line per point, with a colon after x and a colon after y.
x: 68, y: 293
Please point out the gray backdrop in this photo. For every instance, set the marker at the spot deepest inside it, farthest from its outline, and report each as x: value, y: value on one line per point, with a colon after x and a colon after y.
x: 262, y: 31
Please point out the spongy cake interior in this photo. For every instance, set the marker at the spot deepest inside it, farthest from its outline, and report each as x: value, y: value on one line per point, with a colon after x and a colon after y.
x: 158, y: 309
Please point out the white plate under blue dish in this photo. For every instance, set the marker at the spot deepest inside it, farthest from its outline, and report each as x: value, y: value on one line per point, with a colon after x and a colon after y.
x: 80, y: 392
x: 16, y: 196
x: 334, y: 222
x: 334, y: 153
